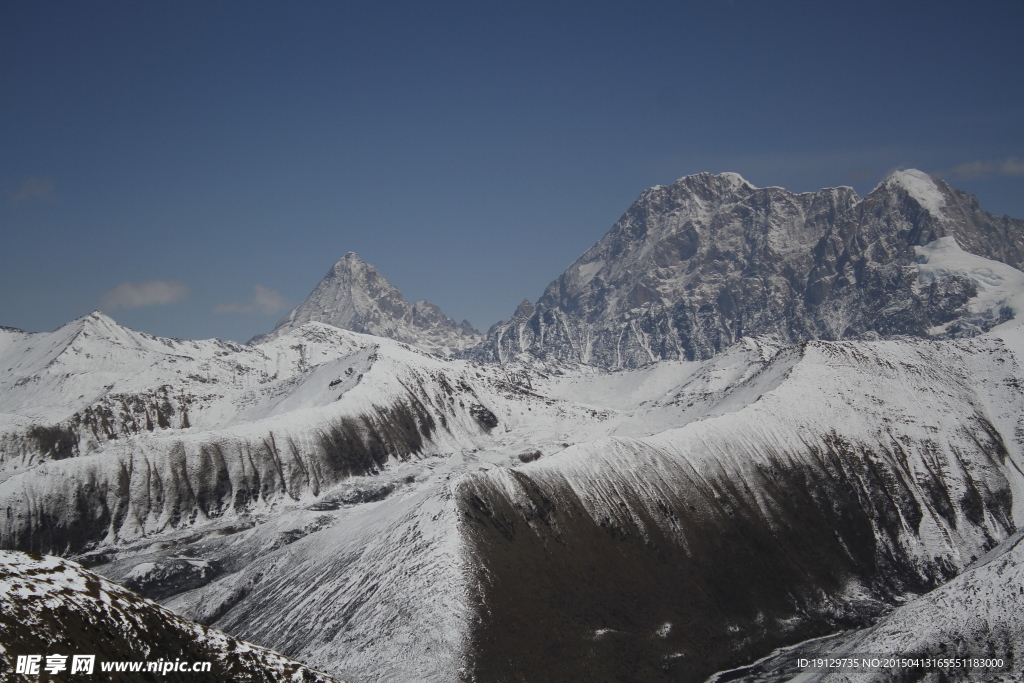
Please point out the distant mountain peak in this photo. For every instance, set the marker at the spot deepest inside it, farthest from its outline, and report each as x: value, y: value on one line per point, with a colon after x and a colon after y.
x: 95, y: 324
x: 353, y: 295
x: 351, y: 261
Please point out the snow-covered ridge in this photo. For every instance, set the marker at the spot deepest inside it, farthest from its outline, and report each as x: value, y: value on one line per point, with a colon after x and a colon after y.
x: 678, y: 466
x: 1000, y: 299
x: 180, y: 440
x: 755, y: 522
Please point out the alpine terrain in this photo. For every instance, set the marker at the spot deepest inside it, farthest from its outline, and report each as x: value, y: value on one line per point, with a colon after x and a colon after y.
x: 747, y: 426
x: 694, y: 266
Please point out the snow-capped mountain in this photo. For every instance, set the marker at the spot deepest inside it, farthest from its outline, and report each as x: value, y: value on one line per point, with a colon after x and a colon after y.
x: 354, y: 296
x: 693, y: 266
x: 52, y: 606
x: 577, y: 511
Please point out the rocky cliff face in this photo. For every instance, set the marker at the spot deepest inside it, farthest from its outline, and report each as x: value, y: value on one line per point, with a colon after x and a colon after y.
x: 354, y: 296
x: 693, y: 266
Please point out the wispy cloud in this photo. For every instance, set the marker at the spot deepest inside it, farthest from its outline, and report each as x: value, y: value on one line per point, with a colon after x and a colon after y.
x: 263, y: 300
x: 32, y: 189
x: 139, y: 294
x: 984, y: 168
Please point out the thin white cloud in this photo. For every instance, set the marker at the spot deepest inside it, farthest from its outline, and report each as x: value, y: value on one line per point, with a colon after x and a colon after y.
x: 984, y: 168
x: 32, y: 189
x: 139, y: 294
x: 263, y: 300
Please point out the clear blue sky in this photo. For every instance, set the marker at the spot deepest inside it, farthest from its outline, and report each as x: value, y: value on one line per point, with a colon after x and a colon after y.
x: 469, y: 150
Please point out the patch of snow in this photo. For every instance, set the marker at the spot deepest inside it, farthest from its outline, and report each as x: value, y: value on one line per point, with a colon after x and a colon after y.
x: 921, y: 187
x: 737, y: 180
x: 999, y: 286
x: 141, y: 570
x: 587, y: 271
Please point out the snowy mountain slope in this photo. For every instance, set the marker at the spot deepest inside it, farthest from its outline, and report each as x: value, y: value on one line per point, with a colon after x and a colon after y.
x: 1000, y: 288
x: 379, y: 595
x: 694, y: 266
x: 338, y: 404
x: 354, y: 296
x: 979, y: 614
x: 810, y: 509
x: 409, y: 517
x: 799, y: 490
x: 53, y: 606
x: 106, y: 381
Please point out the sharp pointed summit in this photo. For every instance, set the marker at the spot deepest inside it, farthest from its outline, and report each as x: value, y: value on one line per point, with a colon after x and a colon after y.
x: 353, y: 295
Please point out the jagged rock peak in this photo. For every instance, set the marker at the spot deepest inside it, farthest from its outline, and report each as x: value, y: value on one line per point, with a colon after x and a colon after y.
x: 525, y: 309
x: 693, y: 266
x: 353, y: 295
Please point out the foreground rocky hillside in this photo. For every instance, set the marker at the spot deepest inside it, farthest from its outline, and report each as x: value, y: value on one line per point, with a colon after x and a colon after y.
x: 51, y: 606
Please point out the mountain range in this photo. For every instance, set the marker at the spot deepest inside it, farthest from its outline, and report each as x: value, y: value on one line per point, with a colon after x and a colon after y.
x: 694, y: 266
x: 746, y: 425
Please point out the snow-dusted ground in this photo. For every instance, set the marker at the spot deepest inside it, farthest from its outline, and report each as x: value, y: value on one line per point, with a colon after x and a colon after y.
x: 364, y: 493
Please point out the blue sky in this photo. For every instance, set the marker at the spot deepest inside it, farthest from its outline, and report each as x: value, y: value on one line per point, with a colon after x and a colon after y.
x: 196, y: 167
